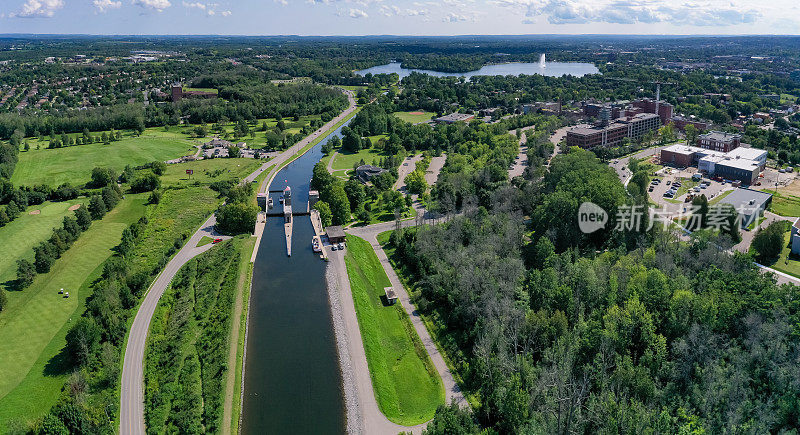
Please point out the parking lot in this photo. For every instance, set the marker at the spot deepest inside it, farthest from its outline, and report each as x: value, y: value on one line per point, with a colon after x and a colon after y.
x: 669, y: 176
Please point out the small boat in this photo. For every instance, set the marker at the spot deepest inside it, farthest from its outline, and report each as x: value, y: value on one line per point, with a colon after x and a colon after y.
x: 280, y: 200
x: 269, y: 203
x: 315, y: 244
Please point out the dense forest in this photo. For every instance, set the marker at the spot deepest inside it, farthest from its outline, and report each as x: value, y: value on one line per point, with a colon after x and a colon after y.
x: 560, y: 337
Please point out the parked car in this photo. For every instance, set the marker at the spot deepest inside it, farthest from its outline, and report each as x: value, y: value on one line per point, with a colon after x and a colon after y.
x: 215, y: 241
x: 333, y: 247
x: 340, y: 246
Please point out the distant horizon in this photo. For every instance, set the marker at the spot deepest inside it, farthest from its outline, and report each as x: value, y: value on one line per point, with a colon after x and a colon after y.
x: 399, y: 17
x: 388, y: 35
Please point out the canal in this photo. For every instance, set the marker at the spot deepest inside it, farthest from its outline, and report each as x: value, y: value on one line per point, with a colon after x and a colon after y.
x: 292, y: 381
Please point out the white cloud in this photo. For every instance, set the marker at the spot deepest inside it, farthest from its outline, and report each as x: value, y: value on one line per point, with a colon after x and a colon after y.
x: 453, y: 17
x: 394, y: 10
x: 106, y: 5
x: 282, y: 2
x: 38, y: 8
x: 197, y: 5
x: 226, y: 13
x: 156, y: 5
x: 357, y: 13
x: 691, y: 13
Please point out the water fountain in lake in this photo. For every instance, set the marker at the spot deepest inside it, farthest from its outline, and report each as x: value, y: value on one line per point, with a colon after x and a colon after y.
x: 541, y: 61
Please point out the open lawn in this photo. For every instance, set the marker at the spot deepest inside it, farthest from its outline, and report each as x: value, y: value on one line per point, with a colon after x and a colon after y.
x: 414, y: 117
x: 74, y: 164
x: 26, y: 231
x: 407, y: 387
x: 345, y: 160
x: 208, y: 171
x: 33, y: 328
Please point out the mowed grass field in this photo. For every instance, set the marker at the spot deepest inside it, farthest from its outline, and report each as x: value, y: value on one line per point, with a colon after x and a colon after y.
x: 34, y: 327
x: 407, y: 387
x: 414, y: 117
x: 74, y: 164
x: 26, y: 231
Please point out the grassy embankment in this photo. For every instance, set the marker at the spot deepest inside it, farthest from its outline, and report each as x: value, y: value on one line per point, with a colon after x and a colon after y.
x: 406, y: 384
x: 186, y: 362
x: 441, y: 339
x: 34, y: 327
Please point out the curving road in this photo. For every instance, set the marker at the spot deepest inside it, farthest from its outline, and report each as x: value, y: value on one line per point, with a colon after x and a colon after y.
x: 132, y: 393
x: 132, y: 387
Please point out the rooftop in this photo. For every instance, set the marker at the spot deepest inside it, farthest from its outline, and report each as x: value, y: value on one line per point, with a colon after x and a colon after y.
x: 748, y: 153
x: 720, y: 136
x: 743, y: 198
x: 335, y: 232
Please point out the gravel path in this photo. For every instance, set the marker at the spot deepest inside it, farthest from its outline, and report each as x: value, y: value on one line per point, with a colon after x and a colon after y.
x: 355, y: 422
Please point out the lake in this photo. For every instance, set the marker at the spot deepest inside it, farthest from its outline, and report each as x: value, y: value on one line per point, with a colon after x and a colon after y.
x: 552, y: 69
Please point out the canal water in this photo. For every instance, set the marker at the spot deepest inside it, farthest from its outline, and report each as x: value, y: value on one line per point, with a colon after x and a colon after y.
x: 292, y: 381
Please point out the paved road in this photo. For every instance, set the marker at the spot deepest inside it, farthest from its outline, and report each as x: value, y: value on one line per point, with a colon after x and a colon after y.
x: 373, y: 421
x: 432, y: 174
x: 518, y: 168
x: 408, y: 166
x: 132, y: 393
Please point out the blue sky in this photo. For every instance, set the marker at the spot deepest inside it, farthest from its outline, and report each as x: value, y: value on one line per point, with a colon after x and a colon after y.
x: 399, y: 17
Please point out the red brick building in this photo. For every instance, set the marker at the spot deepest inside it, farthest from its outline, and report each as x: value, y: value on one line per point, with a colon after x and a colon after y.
x: 719, y: 141
x: 614, y: 133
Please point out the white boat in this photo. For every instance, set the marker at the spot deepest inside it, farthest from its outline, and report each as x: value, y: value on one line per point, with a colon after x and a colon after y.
x: 269, y: 203
x: 315, y: 244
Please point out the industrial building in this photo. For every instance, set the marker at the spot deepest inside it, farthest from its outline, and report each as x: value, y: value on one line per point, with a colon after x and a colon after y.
x: 743, y: 164
x: 750, y: 204
x: 613, y: 134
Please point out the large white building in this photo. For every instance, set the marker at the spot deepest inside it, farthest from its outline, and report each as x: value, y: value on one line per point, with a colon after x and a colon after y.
x: 742, y: 164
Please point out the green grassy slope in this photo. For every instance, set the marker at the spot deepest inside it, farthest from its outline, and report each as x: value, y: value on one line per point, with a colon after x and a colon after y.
x: 406, y: 384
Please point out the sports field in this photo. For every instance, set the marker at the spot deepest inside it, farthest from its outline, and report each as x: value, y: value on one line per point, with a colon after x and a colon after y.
x: 74, y: 164
x: 415, y: 117
x: 34, y: 327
